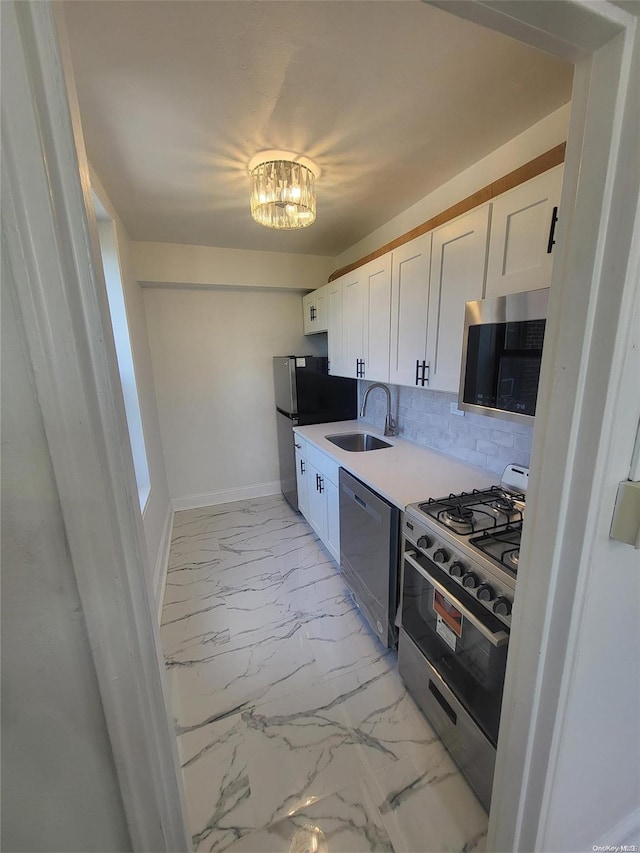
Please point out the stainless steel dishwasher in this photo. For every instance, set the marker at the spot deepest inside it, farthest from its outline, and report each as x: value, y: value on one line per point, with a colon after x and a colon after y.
x: 369, y: 554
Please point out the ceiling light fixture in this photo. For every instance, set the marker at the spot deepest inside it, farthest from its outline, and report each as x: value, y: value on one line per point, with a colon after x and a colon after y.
x: 283, y: 191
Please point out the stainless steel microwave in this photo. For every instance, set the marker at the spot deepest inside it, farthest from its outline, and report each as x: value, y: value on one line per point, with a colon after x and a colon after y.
x: 501, y: 355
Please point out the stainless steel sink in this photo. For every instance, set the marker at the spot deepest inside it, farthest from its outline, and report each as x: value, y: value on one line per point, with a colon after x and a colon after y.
x: 358, y: 441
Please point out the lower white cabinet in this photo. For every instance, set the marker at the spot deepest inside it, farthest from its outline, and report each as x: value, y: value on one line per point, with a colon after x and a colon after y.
x: 317, y: 502
x: 317, y: 477
x: 301, y: 481
x: 333, y: 519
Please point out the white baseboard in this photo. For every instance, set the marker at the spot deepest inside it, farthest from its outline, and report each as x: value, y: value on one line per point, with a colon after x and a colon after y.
x: 162, y: 562
x: 626, y: 832
x: 259, y: 490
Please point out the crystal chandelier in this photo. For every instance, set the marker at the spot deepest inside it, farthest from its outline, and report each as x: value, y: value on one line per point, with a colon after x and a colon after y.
x: 283, y: 190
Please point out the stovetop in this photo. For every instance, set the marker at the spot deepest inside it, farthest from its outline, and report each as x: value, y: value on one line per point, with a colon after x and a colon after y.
x: 487, y: 520
x: 477, y: 511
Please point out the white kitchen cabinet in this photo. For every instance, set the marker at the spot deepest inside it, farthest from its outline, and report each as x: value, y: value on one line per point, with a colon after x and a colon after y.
x: 366, y: 305
x: 377, y: 275
x: 319, y: 475
x: 432, y: 278
x: 409, y: 310
x: 316, y: 513
x: 335, y: 328
x: 458, y: 256
x: 354, y: 304
x: 302, y: 479
x: 315, y: 314
x: 520, y: 245
x: 333, y: 519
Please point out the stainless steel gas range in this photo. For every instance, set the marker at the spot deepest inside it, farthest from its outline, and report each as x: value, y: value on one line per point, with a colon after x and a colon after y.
x: 459, y: 565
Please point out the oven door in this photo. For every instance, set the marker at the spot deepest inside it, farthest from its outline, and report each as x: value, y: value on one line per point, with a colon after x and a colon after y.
x: 466, y: 645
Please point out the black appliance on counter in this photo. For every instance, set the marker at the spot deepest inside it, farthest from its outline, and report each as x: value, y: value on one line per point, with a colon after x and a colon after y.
x: 306, y: 394
x: 460, y: 557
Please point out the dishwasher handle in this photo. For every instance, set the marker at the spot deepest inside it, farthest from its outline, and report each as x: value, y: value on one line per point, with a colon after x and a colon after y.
x: 362, y: 504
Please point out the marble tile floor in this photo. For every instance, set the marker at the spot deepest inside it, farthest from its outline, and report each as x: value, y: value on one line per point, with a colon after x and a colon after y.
x: 295, y: 731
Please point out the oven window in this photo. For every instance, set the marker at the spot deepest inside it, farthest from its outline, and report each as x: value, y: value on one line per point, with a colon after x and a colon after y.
x: 472, y: 667
x: 503, y: 365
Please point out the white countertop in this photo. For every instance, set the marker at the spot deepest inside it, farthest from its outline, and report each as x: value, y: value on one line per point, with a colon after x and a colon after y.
x: 404, y: 473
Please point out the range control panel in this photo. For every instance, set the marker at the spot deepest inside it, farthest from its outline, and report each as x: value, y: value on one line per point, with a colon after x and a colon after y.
x: 479, y: 578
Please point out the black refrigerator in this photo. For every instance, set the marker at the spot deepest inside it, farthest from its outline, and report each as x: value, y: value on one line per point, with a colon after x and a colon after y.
x: 306, y: 394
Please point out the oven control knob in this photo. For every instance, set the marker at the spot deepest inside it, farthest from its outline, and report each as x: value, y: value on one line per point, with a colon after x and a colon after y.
x: 485, y: 592
x: 502, y: 606
x: 470, y: 580
x: 424, y: 542
x: 457, y: 569
x: 440, y: 556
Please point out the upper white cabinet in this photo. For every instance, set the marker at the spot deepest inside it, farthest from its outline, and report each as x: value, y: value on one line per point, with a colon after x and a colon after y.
x: 521, y: 242
x: 366, y: 306
x: 378, y: 326
x: 433, y: 276
x: 354, y: 304
x: 458, y: 257
x: 409, y: 310
x: 335, y: 328
x: 400, y: 317
x: 315, y: 313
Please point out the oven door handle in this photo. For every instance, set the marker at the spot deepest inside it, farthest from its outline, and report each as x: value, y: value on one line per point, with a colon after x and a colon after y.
x: 499, y: 638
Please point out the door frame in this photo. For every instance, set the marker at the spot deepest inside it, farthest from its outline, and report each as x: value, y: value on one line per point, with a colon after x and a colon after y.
x: 594, y: 285
x: 50, y: 241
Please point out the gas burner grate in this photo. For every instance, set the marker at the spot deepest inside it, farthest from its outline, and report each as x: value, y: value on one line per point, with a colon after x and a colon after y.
x: 473, y: 512
x: 501, y: 544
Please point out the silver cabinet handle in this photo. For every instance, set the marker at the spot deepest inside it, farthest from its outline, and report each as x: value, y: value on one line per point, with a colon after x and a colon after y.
x: 497, y: 639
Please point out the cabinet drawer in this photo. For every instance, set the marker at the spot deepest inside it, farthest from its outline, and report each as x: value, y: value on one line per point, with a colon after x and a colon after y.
x: 323, y: 464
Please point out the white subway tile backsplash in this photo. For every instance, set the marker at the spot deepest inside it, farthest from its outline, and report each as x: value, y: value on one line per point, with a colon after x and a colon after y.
x: 506, y: 439
x: 522, y: 442
x: 488, y: 447
x: 425, y: 417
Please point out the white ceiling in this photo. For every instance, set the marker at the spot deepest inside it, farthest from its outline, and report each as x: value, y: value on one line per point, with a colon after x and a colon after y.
x: 390, y: 97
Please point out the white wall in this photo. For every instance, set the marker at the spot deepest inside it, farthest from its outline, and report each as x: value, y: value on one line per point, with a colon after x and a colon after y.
x: 212, y: 357
x: 545, y: 134
x: 60, y: 791
x: 156, y: 516
x: 173, y: 263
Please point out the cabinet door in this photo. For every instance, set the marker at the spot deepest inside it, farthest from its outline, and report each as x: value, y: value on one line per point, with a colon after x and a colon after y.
x: 316, y: 501
x: 302, y: 478
x: 377, y: 280
x: 520, y: 254
x: 458, y: 258
x: 308, y: 313
x: 333, y: 520
x: 321, y: 309
x: 335, y: 328
x: 354, y: 301
x: 409, y: 309
x: 314, y: 311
